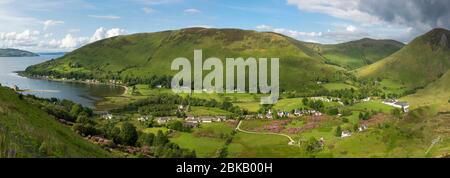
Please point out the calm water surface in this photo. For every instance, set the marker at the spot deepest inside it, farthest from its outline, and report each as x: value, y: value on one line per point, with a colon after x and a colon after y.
x: 85, y: 94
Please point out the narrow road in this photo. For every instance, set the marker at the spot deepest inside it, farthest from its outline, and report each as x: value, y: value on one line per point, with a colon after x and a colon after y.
x: 291, y: 141
x: 434, y: 142
x: 42, y: 91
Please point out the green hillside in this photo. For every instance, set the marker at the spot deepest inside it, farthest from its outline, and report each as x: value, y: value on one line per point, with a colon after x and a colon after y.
x: 355, y: 54
x: 143, y: 55
x: 418, y: 64
x: 437, y: 94
x: 27, y: 131
x: 16, y: 53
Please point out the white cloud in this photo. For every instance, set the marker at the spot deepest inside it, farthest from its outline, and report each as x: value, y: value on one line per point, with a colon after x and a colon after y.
x: 263, y: 27
x: 192, y: 11
x: 48, y: 35
x: 74, y: 30
x: 148, y: 10
x: 351, y: 28
x: 156, y: 2
x: 289, y: 32
x: 37, y: 41
x: 343, y: 9
x: 106, y: 17
x: 25, y: 38
x: 102, y: 33
x: 49, y: 23
x: 70, y: 42
x: 201, y: 26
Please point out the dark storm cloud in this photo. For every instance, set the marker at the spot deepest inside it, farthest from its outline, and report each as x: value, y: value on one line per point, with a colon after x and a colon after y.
x: 418, y: 14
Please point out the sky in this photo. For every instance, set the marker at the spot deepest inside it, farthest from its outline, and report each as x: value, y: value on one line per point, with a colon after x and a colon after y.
x: 65, y: 25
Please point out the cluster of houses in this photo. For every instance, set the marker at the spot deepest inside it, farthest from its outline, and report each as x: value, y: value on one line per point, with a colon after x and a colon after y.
x: 193, y: 121
x: 395, y: 103
x: 107, y: 116
x: 299, y: 113
x: 284, y: 114
x: 345, y: 134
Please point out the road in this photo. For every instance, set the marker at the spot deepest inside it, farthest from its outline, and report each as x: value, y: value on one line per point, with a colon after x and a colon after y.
x: 291, y: 141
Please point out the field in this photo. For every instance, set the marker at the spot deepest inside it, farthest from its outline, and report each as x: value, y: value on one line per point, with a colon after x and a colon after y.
x: 262, y: 146
x: 374, y: 105
x: 206, y: 140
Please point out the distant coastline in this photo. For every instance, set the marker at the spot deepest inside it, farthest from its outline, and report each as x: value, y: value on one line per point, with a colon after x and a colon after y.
x: 9, y: 52
x: 22, y: 74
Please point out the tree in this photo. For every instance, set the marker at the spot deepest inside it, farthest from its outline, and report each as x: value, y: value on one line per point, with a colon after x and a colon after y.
x: 75, y: 110
x: 128, y: 134
x: 83, y: 119
x: 361, y: 116
x: 305, y: 101
x: 85, y: 129
x: 178, y: 126
x: 338, y: 131
x: 160, y: 139
x: 146, y: 139
x: 333, y: 111
x: 312, y: 146
x: 397, y: 113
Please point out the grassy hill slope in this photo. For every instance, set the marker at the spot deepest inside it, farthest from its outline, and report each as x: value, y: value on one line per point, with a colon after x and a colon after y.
x: 26, y: 131
x: 359, y: 53
x: 437, y: 94
x: 418, y: 64
x: 16, y: 53
x: 146, y: 54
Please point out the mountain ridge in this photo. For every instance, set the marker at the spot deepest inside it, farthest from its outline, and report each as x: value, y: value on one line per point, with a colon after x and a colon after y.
x: 357, y: 53
x: 144, y: 55
x: 423, y: 61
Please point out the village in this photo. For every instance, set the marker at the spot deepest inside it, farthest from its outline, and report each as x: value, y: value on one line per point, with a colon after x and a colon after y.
x: 195, y: 121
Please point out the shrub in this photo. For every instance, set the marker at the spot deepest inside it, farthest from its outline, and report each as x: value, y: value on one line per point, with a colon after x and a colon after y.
x: 128, y: 134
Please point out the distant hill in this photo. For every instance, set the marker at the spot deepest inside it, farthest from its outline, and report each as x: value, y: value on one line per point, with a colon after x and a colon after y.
x: 16, y: 53
x: 146, y: 54
x: 53, y: 53
x: 423, y: 61
x: 27, y: 131
x: 356, y: 54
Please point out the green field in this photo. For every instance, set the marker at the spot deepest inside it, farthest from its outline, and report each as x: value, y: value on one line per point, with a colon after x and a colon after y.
x: 337, y: 86
x: 205, y: 140
x: 205, y: 111
x: 374, y: 105
x: 262, y: 146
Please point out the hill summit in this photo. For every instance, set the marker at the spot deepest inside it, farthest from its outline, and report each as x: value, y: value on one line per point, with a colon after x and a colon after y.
x: 141, y: 57
x: 418, y: 64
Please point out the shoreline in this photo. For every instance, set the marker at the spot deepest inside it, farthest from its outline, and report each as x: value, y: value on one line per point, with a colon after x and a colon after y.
x: 124, y: 93
x: 126, y: 88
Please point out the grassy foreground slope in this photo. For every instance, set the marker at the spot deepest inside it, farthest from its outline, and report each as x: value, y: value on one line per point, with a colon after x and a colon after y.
x: 26, y: 131
x: 147, y: 54
x: 418, y: 64
x: 359, y: 53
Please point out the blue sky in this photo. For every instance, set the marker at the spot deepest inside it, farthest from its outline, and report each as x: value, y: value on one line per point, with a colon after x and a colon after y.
x: 64, y: 25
